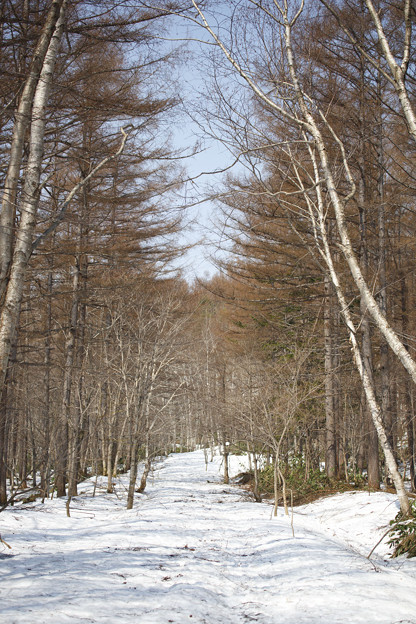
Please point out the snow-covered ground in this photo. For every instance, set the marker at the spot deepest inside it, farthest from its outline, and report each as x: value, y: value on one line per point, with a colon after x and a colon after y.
x: 194, y: 550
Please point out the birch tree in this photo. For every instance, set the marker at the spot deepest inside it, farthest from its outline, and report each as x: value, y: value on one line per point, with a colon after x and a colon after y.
x: 288, y: 99
x: 40, y: 66
x: 397, y: 62
x: 44, y: 188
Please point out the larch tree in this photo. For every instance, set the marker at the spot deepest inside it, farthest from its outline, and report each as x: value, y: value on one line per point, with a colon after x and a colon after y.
x: 66, y: 189
x: 284, y: 89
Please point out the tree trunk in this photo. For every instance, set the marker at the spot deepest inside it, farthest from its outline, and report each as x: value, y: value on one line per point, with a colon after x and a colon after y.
x: 4, y: 439
x: 22, y: 120
x: 8, y: 423
x: 225, y: 455
x: 366, y: 379
x: 143, y: 480
x: 45, y: 459
x: 70, y: 341
x: 13, y: 291
x: 408, y: 390
x: 373, y: 461
x: 256, y: 488
x: 385, y: 372
x: 373, y: 464
x: 133, y: 473
x: 78, y: 320
x: 111, y: 455
x: 397, y: 72
x: 61, y: 458
x: 331, y: 456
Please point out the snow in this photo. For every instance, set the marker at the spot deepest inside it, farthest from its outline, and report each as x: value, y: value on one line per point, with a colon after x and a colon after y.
x: 195, y: 550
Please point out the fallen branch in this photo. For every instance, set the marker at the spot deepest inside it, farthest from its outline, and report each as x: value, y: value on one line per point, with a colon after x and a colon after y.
x: 2, y: 541
x: 379, y: 542
x: 14, y: 496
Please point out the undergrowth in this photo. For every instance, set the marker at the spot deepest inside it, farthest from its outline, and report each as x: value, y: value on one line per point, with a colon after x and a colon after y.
x: 305, y: 485
x: 403, y: 534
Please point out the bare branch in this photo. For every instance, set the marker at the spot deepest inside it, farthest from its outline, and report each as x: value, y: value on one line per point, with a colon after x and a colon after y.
x: 61, y: 214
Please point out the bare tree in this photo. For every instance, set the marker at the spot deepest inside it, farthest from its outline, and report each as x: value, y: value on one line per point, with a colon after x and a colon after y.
x: 289, y: 101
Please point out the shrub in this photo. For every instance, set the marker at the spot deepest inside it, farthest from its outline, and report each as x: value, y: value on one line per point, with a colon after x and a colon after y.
x: 403, y: 534
x: 305, y: 485
x: 266, y: 478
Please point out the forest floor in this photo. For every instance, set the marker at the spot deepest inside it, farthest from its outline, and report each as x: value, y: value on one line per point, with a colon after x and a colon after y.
x: 195, y: 550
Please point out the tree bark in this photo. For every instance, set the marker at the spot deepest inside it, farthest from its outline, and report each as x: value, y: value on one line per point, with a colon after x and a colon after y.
x: 398, y: 72
x: 4, y: 439
x: 22, y: 120
x: 16, y: 269
x: 45, y: 460
x: 306, y: 122
x: 373, y: 463
x: 64, y: 459
x: 408, y: 390
x: 133, y: 473
x: 331, y: 455
x: 78, y: 320
x: 366, y: 378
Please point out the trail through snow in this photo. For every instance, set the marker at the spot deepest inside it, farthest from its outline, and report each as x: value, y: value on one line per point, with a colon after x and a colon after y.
x: 194, y: 550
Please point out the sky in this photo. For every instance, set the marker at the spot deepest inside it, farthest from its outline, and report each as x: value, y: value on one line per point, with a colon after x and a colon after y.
x: 205, y: 231
x: 211, y: 156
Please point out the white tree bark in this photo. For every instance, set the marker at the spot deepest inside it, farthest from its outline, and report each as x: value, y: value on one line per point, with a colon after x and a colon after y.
x: 368, y: 387
x: 319, y: 222
x: 398, y: 72
x: 307, y: 123
x: 367, y: 297
x: 23, y: 245
x: 23, y: 117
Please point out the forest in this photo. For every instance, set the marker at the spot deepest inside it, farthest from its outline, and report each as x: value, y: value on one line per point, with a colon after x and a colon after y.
x: 300, y: 349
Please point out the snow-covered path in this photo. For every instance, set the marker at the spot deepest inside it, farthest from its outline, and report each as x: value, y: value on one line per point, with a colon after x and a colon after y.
x: 194, y: 550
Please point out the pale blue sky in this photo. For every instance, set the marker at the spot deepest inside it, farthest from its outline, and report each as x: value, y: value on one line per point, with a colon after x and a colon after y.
x: 212, y: 156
